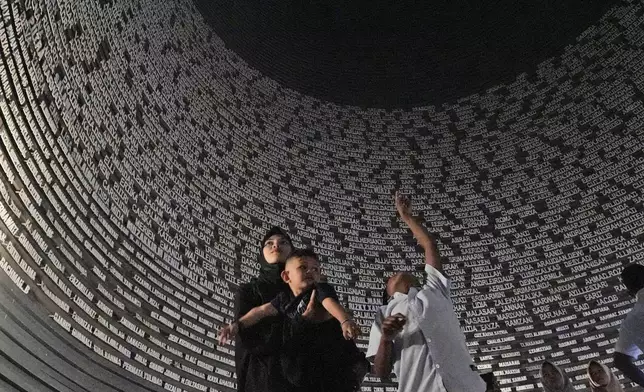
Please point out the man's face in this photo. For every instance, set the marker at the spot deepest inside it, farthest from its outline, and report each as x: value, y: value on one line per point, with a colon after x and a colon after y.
x: 400, y: 283
x: 276, y: 249
x: 550, y: 377
x: 302, y: 273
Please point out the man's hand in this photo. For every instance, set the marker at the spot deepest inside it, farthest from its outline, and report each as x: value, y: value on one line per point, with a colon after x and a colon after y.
x: 403, y: 205
x: 228, y: 333
x: 350, y: 330
x: 392, y: 325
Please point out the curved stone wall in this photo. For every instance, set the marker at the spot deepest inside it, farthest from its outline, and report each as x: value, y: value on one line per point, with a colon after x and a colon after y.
x: 141, y: 161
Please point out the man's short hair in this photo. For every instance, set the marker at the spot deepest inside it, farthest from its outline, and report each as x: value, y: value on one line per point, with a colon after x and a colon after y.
x: 633, y: 277
x: 301, y: 253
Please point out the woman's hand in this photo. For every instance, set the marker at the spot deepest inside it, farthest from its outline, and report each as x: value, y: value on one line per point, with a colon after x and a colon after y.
x: 228, y: 333
x: 350, y: 330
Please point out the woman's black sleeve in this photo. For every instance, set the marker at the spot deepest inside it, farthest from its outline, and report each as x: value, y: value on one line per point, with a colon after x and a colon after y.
x: 262, y: 338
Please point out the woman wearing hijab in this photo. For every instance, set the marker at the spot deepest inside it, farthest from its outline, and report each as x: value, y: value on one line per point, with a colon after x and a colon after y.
x: 257, y: 348
x: 602, y: 379
x: 553, y: 379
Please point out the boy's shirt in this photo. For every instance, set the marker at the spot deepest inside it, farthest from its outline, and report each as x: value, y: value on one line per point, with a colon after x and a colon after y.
x: 430, y: 353
x: 293, y: 306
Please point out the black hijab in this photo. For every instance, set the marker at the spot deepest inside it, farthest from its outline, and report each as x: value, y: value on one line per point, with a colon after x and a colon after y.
x: 270, y: 274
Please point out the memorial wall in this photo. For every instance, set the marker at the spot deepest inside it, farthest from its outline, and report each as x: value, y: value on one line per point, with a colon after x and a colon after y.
x: 141, y: 162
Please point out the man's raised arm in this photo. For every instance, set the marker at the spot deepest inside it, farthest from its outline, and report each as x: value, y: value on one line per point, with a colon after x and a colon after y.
x: 425, y: 240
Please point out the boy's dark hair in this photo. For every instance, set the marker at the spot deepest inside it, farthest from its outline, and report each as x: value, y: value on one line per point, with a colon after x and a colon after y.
x: 300, y: 253
x: 633, y: 278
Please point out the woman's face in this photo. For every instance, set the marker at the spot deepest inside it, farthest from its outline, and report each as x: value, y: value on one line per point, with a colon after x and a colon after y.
x: 276, y: 249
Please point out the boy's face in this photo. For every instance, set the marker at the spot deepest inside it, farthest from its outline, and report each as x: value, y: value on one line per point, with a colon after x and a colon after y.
x: 301, y: 273
x: 401, y: 283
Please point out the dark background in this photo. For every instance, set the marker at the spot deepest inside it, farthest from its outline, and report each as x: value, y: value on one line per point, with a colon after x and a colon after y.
x: 397, y: 54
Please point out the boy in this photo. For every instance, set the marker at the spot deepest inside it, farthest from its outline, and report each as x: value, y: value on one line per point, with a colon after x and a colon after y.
x: 302, y: 274
x: 417, y: 334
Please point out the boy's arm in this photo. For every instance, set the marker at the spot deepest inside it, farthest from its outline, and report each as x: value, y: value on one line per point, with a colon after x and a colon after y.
x: 350, y: 329
x: 425, y: 240
x: 335, y: 309
x: 383, y: 360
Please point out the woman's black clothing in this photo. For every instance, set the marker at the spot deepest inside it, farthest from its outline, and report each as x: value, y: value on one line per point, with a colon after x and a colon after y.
x: 283, y: 355
x: 257, y: 348
x: 317, y: 358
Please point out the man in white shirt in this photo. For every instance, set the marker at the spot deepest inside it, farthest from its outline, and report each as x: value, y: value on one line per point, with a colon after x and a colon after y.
x: 630, y: 344
x: 417, y: 333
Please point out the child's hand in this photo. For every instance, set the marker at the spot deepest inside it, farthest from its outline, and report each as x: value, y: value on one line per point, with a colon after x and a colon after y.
x: 228, y: 333
x: 309, y: 312
x: 350, y: 330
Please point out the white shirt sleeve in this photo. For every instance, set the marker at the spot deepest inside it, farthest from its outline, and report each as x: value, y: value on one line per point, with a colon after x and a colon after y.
x: 375, y: 334
x: 631, y: 339
x: 436, y: 281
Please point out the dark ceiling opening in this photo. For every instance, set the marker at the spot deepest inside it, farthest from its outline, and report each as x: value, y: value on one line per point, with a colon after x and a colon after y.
x: 398, y: 54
